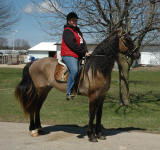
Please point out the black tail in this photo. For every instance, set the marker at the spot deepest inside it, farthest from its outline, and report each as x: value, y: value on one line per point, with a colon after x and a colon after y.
x: 26, y: 92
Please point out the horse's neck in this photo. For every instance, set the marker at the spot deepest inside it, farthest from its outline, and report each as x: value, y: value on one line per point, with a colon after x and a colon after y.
x: 106, y: 49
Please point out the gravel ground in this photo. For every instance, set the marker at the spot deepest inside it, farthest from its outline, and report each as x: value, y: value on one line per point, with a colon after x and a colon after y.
x: 15, y: 136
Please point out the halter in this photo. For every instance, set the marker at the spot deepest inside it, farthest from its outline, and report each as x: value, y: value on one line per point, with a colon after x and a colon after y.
x: 133, y: 50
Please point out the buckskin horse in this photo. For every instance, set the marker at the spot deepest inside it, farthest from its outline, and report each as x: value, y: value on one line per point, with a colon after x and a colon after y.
x: 38, y: 79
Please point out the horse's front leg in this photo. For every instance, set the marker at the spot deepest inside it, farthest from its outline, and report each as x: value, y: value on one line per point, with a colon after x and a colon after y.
x: 99, y: 132
x: 92, y: 112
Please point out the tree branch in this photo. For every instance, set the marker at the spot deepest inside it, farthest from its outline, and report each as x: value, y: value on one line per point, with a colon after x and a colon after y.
x: 147, y: 27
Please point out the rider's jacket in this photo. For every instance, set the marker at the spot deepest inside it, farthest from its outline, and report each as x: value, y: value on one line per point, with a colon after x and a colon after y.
x: 73, y: 43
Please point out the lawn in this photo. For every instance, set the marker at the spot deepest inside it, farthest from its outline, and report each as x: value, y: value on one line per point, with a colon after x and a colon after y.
x: 143, y: 113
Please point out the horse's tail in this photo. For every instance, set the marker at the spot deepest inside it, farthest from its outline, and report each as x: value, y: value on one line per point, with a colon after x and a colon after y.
x: 26, y: 92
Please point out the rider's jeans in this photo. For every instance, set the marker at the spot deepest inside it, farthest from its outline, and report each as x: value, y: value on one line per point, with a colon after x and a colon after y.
x: 72, y: 65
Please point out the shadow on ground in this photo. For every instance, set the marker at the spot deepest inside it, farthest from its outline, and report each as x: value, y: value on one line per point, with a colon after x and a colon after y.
x: 81, y: 131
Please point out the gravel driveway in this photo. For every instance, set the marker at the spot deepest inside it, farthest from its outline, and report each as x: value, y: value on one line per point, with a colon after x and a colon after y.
x: 15, y: 136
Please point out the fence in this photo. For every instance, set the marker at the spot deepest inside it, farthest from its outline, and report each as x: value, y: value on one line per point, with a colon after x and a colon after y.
x: 12, y: 59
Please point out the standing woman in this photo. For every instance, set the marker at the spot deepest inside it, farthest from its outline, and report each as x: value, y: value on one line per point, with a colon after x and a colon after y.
x: 73, y: 48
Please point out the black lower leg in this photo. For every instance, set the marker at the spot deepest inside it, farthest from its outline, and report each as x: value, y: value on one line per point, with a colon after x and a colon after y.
x: 90, y: 132
x: 99, y: 132
x: 37, y: 114
x: 32, y: 124
x: 37, y: 120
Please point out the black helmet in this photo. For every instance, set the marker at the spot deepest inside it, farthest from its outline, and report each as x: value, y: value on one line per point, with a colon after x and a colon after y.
x: 72, y: 15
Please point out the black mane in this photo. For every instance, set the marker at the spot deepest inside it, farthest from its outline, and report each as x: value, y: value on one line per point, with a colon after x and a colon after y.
x: 103, y: 56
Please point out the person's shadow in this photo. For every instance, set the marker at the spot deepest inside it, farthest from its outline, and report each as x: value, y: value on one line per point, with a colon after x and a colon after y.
x: 81, y: 131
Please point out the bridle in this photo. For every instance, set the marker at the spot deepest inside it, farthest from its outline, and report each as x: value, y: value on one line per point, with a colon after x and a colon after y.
x: 124, y: 42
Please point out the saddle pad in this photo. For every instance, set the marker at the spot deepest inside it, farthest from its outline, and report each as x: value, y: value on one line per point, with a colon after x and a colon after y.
x: 61, y: 73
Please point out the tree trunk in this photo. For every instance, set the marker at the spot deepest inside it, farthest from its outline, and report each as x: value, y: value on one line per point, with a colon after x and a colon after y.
x: 124, y: 64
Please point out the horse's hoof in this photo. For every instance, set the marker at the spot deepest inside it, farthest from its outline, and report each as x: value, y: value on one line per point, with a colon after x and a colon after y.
x: 93, y: 138
x: 100, y: 136
x: 34, y: 133
x: 40, y: 129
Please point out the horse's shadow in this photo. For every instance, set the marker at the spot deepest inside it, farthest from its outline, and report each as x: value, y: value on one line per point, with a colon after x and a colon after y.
x: 81, y: 131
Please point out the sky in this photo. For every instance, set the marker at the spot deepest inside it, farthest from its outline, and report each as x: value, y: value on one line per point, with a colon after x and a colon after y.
x: 27, y: 27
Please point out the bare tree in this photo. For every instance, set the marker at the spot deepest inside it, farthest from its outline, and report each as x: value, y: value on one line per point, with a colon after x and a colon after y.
x: 3, y: 43
x: 8, y: 16
x: 21, y: 44
x: 99, y: 18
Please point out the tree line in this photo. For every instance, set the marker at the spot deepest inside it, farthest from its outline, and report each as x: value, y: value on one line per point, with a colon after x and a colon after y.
x: 19, y: 44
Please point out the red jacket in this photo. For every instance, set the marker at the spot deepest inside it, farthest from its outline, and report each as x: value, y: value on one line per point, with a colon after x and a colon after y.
x: 72, y: 46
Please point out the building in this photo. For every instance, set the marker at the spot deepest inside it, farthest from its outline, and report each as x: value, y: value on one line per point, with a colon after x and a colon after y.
x: 150, y: 55
x: 43, y: 49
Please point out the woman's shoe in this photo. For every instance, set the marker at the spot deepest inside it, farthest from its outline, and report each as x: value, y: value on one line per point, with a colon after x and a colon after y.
x: 69, y: 96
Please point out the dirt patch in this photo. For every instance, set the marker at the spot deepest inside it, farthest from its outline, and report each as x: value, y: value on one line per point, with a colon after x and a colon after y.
x: 58, y: 136
x: 12, y: 66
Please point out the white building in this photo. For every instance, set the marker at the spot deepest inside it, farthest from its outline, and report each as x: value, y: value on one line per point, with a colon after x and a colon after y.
x: 43, y: 49
x: 150, y: 55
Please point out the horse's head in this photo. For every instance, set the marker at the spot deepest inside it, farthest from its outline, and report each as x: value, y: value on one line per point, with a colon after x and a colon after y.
x: 125, y: 42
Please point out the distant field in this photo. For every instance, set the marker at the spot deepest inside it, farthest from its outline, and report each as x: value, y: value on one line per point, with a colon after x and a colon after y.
x: 144, y: 112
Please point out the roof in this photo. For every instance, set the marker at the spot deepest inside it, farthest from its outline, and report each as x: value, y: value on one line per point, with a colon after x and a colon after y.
x: 44, y: 46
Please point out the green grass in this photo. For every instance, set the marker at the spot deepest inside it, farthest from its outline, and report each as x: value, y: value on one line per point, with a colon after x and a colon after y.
x: 143, y: 113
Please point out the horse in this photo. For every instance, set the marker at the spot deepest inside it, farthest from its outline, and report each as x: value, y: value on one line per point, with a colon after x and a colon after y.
x: 38, y: 79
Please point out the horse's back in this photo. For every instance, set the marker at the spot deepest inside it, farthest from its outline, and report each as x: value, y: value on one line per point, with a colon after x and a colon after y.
x: 42, y: 71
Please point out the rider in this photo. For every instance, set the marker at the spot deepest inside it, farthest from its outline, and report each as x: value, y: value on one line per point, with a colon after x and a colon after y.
x: 73, y: 48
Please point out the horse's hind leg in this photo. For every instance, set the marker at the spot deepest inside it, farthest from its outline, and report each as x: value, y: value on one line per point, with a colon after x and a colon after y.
x: 98, y: 120
x: 37, y: 116
x: 38, y: 108
x: 32, y: 127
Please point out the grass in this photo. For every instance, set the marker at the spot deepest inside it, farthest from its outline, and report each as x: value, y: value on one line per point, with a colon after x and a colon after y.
x: 143, y: 113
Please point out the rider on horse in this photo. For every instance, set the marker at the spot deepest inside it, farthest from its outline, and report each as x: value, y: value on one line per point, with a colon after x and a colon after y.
x: 73, y: 48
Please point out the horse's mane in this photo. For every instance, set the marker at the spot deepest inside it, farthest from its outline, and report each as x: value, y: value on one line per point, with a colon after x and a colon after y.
x: 103, y: 56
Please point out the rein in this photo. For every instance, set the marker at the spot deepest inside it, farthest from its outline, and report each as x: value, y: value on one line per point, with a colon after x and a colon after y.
x: 98, y: 55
